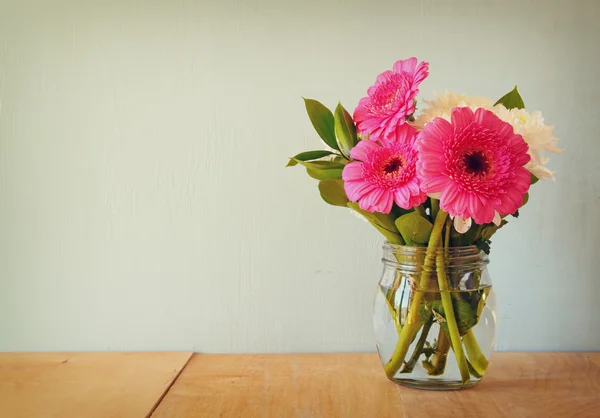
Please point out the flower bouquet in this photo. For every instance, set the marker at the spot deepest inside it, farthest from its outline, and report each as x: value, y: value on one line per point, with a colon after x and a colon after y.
x: 437, y: 184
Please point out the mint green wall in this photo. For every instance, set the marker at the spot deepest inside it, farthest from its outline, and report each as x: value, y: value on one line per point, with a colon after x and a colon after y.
x: 144, y: 203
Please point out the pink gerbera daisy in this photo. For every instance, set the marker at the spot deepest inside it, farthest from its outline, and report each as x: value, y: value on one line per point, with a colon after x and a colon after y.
x: 474, y: 165
x: 385, y: 172
x: 391, y: 99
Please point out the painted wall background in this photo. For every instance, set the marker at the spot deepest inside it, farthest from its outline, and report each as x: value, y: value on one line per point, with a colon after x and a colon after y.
x: 144, y: 203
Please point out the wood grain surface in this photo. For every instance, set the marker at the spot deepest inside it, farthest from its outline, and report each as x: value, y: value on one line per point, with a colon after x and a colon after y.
x: 519, y: 385
x: 85, y: 385
x: 536, y: 385
x: 278, y: 385
x: 595, y: 357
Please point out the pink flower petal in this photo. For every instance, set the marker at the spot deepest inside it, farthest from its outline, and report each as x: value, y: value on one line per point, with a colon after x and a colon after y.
x: 352, y: 171
x: 386, y: 202
x: 355, y: 190
x: 461, y: 118
x: 472, y: 203
x: 372, y: 201
x: 461, y: 203
x: 362, y: 149
x: 360, y: 113
x: 437, y: 132
x: 385, y: 173
x: 476, y: 162
x: 421, y: 73
x: 402, y: 197
x: 523, y: 180
x: 488, y: 119
x: 416, y: 200
x: 433, y: 165
x: 403, y: 133
x: 390, y: 99
x: 405, y: 66
x: 413, y: 188
x: 383, y: 77
x: 487, y: 213
x: 449, y: 194
x: 434, y: 184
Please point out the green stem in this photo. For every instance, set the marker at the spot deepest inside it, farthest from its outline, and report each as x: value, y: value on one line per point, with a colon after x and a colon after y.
x: 410, y: 364
x: 421, y: 211
x: 412, y: 322
x: 476, y: 357
x: 479, y: 229
x: 447, y: 236
x: 437, y: 364
x: 473, y: 372
x: 435, y: 207
x: 451, y: 318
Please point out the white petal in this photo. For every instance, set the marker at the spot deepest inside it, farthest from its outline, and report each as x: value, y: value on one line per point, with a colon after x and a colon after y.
x: 497, y: 219
x: 462, y: 225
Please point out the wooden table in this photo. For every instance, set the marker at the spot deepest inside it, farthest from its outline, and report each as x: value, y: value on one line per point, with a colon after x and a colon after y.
x: 85, y: 385
x: 130, y: 385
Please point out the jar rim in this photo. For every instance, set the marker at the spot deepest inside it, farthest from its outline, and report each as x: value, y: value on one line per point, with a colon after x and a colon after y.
x: 412, y: 248
x: 410, y: 257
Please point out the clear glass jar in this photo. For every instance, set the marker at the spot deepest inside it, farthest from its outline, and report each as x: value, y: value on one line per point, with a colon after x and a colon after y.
x: 418, y: 344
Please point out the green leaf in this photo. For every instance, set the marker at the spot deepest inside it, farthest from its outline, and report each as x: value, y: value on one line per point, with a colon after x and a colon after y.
x: 325, y: 174
x: 472, y: 370
x: 321, y: 165
x: 467, y: 238
x: 322, y: 120
x: 397, y: 211
x: 483, y: 245
x: 511, y: 100
x: 534, y: 179
x: 414, y: 228
x: 425, y: 312
x: 466, y: 317
x: 384, y: 223
x: 345, y: 131
x: 488, y: 230
x: 332, y: 192
x: 307, y: 156
x: 382, y: 219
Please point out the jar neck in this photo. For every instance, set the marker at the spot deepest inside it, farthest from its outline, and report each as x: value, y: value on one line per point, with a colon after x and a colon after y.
x: 411, y: 258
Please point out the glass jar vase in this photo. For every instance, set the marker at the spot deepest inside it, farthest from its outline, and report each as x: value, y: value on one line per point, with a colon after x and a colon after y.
x: 434, y: 316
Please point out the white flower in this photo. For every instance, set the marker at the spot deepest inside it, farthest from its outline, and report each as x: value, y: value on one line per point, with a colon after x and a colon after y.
x: 531, y: 127
x: 442, y: 105
x: 462, y: 225
x: 539, y: 137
